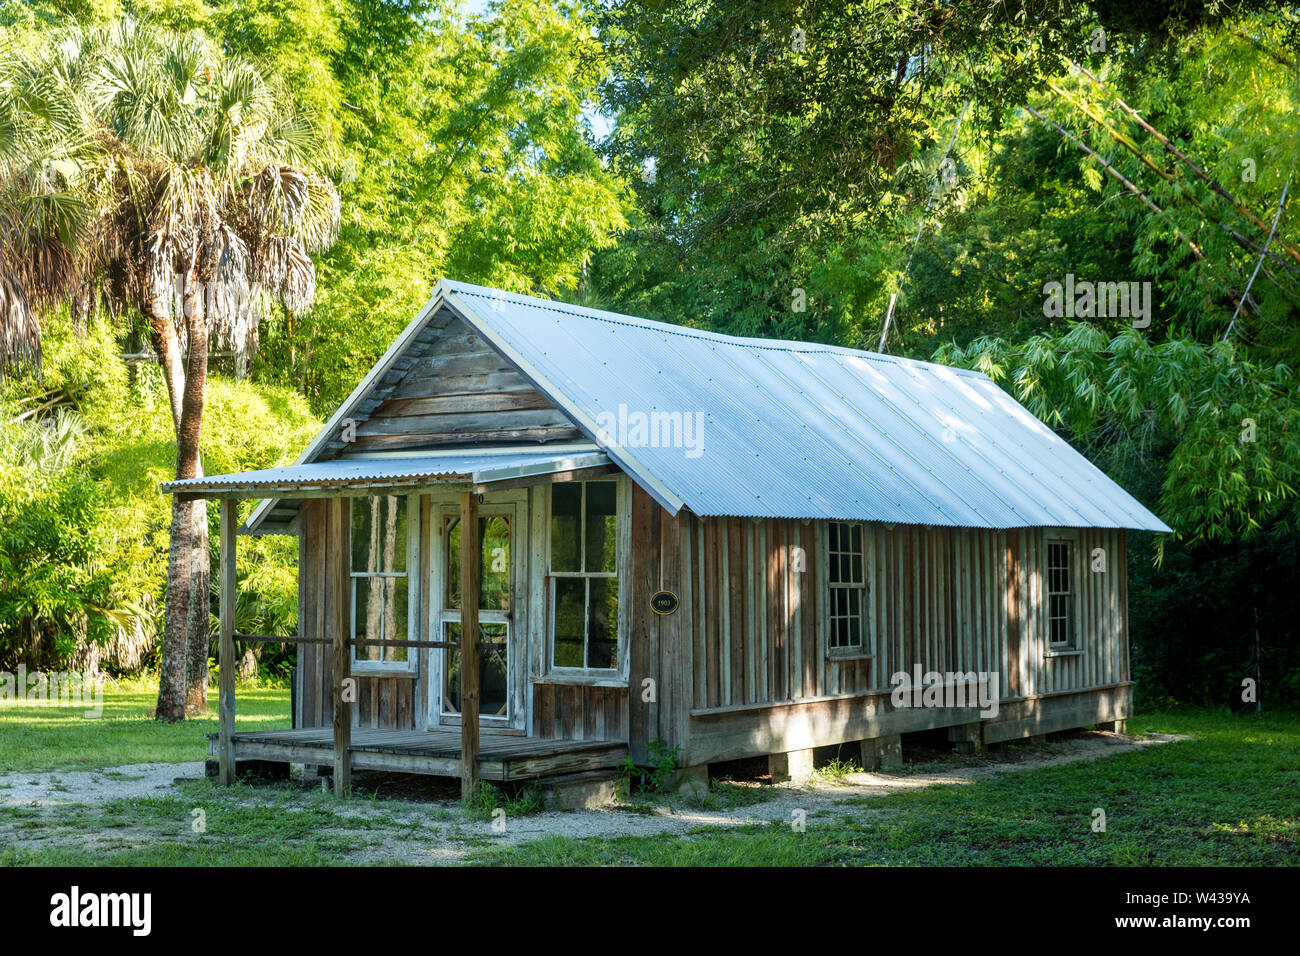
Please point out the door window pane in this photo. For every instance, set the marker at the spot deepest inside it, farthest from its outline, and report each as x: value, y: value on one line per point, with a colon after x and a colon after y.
x: 493, y: 670
x: 494, y: 567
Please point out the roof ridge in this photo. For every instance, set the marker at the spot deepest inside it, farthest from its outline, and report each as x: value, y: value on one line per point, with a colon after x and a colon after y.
x: 687, y: 331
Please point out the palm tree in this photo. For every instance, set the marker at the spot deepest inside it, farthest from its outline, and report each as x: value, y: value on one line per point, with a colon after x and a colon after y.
x: 171, y: 179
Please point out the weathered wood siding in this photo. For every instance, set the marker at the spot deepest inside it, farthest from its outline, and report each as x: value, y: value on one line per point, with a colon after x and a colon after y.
x: 315, y: 661
x: 455, y: 389
x: 576, y: 712
x: 949, y: 599
x: 659, y: 671
x: 745, y: 653
x: 390, y: 701
x: 742, y: 667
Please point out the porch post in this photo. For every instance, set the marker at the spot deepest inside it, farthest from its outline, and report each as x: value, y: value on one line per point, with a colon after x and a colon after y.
x: 339, y: 625
x: 469, y: 581
x: 226, y: 652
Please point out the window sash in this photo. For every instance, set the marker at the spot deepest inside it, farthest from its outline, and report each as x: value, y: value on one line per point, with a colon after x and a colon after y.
x: 846, y: 578
x: 387, y: 660
x: 1059, y: 592
x: 619, y: 654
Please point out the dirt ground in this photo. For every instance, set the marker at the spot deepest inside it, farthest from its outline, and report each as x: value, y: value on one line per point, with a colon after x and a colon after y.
x: 420, y: 821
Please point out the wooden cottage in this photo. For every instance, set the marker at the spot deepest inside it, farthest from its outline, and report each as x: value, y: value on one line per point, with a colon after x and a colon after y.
x: 677, y: 539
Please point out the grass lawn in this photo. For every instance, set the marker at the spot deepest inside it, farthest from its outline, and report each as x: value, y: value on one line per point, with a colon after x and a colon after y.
x: 35, y: 736
x: 1229, y: 795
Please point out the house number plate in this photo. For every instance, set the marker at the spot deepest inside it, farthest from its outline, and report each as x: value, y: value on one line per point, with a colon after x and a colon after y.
x: 664, y: 602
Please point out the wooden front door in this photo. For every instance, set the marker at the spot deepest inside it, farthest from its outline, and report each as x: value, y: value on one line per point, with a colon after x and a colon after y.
x: 503, y: 549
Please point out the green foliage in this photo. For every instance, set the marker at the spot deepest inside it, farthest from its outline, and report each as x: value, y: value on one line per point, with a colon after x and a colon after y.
x: 489, y: 798
x: 1235, y: 464
x: 56, y: 587
x: 83, y: 548
x: 654, y: 778
x: 464, y: 154
x: 837, y: 769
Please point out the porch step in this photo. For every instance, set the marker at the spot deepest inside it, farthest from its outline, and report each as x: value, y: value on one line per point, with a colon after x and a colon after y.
x: 589, y: 790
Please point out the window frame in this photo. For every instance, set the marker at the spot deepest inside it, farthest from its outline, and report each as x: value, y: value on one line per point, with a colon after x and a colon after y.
x: 622, y: 517
x: 413, y: 533
x: 866, y: 648
x: 1072, y: 644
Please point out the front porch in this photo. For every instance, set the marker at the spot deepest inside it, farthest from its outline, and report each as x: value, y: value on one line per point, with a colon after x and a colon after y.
x: 457, y: 524
x: 500, y: 757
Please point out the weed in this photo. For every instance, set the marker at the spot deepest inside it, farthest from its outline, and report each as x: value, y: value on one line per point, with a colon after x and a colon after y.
x: 652, y: 779
x: 488, y: 798
x: 837, y: 770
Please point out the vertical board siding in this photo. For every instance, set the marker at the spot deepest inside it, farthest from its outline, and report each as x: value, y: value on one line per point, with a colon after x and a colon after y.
x: 568, y: 712
x: 661, y: 682
x: 316, y: 660
x: 750, y: 628
x: 948, y: 599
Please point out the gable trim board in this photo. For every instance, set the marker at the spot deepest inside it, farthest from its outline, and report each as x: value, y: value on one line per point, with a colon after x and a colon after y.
x: 793, y: 430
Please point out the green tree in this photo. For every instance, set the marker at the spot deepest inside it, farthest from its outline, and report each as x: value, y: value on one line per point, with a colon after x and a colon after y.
x: 466, y: 154
x: 173, y: 177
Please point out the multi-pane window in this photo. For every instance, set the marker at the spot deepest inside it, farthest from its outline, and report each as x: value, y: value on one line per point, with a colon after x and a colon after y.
x: 846, y: 573
x: 379, y: 577
x: 584, y: 575
x: 1060, y: 595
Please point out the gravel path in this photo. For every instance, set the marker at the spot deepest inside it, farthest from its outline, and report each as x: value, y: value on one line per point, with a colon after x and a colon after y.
x: 445, y: 833
x: 53, y: 788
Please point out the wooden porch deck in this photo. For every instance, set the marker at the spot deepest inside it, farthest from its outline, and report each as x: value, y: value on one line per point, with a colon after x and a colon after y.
x: 435, y: 752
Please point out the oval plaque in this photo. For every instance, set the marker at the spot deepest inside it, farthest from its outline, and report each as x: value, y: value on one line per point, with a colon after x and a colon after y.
x: 663, y: 602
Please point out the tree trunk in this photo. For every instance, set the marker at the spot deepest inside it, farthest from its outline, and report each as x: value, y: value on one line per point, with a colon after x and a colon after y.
x: 183, y: 674
x: 168, y: 346
x: 171, y: 670
x: 198, y: 617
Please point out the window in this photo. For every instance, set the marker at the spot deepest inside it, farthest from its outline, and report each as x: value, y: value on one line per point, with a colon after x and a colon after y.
x: 1060, y: 596
x: 584, y: 575
x: 846, y: 575
x: 380, y: 587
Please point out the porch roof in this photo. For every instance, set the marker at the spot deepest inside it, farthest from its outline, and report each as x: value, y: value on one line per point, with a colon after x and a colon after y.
x: 360, y: 476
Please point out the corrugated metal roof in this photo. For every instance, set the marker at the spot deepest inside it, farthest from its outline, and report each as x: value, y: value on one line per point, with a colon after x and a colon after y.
x: 800, y: 430
x: 475, y: 467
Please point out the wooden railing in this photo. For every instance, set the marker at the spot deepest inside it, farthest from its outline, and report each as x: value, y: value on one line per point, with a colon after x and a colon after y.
x: 336, y: 605
x: 350, y: 642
